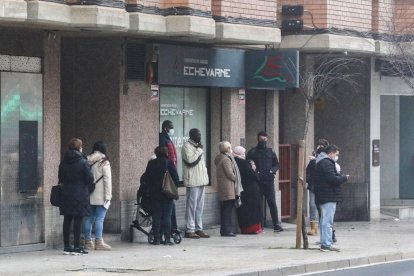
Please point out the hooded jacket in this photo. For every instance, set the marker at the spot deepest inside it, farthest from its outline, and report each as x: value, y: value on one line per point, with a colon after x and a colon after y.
x: 75, y: 176
x: 103, y: 188
x: 327, y: 181
x: 194, y: 175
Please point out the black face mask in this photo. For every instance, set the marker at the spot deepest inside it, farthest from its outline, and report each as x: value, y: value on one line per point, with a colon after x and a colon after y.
x: 262, y: 144
x: 196, y: 138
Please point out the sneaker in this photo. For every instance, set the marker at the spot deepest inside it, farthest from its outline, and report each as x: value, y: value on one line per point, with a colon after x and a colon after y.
x: 329, y: 249
x: 192, y: 235
x: 67, y: 250
x: 277, y: 228
x: 79, y: 251
x: 202, y: 234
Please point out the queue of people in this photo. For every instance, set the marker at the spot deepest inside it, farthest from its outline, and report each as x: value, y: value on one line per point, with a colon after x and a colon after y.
x: 243, y: 180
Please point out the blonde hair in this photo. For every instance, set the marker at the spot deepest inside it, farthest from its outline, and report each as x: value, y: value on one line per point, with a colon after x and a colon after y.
x: 224, y: 146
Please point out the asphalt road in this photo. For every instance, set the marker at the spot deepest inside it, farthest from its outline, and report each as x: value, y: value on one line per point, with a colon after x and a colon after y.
x: 399, y: 268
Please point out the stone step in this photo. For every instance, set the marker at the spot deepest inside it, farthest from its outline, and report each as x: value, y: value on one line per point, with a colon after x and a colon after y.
x: 400, y: 212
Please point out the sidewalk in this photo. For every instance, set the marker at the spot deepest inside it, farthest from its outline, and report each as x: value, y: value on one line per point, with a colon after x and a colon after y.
x: 266, y: 254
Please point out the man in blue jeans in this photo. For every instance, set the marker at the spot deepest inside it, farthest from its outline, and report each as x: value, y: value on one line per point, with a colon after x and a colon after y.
x: 327, y: 185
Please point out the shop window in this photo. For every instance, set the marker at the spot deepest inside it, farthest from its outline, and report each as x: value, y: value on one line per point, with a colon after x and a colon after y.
x: 187, y: 108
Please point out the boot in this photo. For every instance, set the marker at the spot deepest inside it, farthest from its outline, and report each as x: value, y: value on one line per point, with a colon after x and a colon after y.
x: 89, y: 245
x: 101, y: 245
x: 314, y: 228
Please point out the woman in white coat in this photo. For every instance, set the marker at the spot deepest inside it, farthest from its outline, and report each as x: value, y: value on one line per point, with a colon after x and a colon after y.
x: 100, y: 198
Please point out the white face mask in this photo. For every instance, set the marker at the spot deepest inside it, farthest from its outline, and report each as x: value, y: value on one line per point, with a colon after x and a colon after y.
x: 336, y: 158
x: 170, y: 132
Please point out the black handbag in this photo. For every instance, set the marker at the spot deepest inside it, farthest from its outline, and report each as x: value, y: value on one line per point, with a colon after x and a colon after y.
x: 56, y: 195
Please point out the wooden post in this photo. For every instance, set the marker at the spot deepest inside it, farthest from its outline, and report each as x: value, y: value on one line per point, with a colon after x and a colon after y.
x: 300, y: 186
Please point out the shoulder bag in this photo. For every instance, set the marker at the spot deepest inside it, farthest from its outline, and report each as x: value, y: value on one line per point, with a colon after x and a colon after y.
x: 168, y: 186
x: 56, y: 195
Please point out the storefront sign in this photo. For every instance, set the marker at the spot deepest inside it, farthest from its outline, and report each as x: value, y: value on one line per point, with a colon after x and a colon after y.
x: 272, y: 69
x: 189, y: 66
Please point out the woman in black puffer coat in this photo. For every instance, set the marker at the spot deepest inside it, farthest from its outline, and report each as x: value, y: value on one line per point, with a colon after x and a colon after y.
x: 75, y: 177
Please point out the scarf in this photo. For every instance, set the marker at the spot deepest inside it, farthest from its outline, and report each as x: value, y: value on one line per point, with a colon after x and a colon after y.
x: 237, y: 185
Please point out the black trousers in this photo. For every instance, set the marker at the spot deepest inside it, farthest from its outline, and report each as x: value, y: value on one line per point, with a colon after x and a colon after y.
x: 77, y: 225
x: 268, y: 191
x: 226, y: 209
x: 161, y: 216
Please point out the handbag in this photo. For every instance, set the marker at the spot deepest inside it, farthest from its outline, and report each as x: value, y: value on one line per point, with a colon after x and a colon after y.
x: 168, y: 186
x: 56, y: 195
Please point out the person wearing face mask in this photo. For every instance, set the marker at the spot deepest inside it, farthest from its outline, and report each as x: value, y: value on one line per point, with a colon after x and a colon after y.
x: 165, y: 141
x: 267, y: 165
x: 321, y: 145
x: 195, y: 177
x: 327, y: 186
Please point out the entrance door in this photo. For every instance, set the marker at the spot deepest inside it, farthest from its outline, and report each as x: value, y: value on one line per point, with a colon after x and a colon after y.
x: 21, y: 153
x: 406, y: 147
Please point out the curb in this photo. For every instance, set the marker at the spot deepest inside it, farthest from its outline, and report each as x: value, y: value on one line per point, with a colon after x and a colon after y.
x: 330, y: 265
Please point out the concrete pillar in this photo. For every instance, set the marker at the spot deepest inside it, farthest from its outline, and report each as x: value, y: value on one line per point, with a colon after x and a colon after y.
x: 232, y: 117
x: 375, y: 131
x: 51, y: 134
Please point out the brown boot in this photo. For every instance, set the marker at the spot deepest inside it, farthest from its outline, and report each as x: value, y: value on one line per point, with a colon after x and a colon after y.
x: 89, y: 245
x: 101, y: 245
x: 314, y: 228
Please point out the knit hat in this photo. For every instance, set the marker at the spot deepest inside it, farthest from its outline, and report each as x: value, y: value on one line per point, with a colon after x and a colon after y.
x: 239, y: 151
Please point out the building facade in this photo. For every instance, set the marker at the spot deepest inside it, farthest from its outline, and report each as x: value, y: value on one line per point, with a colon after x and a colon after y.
x: 114, y: 70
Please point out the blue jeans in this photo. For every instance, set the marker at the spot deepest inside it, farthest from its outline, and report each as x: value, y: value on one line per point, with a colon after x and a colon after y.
x: 97, y: 216
x: 326, y: 222
x: 313, y: 210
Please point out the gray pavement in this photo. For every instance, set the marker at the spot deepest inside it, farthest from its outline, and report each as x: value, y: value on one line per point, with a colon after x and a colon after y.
x: 270, y: 253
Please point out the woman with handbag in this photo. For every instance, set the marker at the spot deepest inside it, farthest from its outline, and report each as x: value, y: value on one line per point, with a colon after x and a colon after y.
x: 75, y: 177
x: 161, y: 203
x: 100, y: 198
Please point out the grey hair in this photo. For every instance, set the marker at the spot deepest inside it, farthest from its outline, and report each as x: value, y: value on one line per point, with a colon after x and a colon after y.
x: 224, y: 146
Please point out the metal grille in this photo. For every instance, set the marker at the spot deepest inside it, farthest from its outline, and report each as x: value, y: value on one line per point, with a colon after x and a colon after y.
x: 135, y: 61
x: 285, y: 179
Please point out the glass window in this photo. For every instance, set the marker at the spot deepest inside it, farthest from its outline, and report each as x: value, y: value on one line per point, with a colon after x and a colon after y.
x: 187, y: 109
x: 21, y: 157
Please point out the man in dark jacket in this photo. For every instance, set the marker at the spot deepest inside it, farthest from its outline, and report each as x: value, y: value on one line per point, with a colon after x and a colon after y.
x: 327, y: 186
x: 267, y: 165
x: 165, y: 141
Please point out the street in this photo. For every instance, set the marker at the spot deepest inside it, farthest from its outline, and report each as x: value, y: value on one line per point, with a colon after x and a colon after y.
x: 398, y: 268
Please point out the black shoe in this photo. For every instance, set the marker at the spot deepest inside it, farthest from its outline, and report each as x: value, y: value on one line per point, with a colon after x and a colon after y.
x: 168, y: 242
x: 79, y: 251
x: 334, y: 236
x: 228, y: 235
x: 156, y: 242
x: 277, y: 228
x: 67, y: 250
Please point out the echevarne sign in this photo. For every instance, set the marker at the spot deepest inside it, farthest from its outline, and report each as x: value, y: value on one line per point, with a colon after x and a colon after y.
x: 189, y: 66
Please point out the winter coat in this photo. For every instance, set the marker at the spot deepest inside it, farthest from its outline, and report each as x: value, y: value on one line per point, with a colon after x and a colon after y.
x: 165, y: 141
x: 310, y: 170
x: 154, y: 176
x: 327, y: 181
x: 100, y: 166
x: 75, y: 176
x: 226, y: 177
x: 250, y: 212
x: 194, y: 175
x: 266, y: 163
